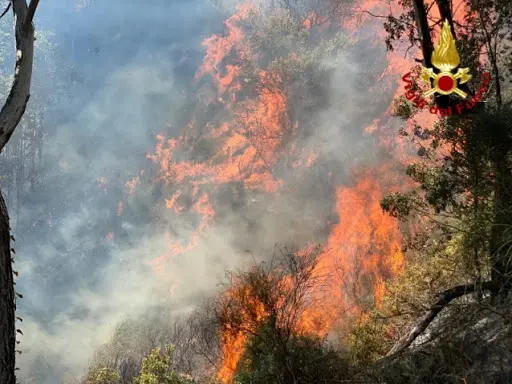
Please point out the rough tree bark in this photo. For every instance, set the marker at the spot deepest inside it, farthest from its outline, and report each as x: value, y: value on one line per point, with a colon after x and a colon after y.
x: 10, y: 116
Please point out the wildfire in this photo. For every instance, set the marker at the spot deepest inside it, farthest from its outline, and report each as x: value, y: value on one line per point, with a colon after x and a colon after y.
x: 132, y: 184
x: 219, y: 47
x: 252, y: 136
x: 233, y: 340
x: 365, y: 246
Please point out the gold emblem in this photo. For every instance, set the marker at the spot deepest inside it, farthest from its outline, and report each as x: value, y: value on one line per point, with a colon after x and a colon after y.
x: 445, y: 58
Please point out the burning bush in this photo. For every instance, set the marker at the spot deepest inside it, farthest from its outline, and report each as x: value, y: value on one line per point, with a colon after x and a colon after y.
x: 271, y: 298
x: 259, y: 159
x: 244, y: 161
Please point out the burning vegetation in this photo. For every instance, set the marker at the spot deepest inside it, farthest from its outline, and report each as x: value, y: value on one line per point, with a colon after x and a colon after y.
x: 267, y: 80
x: 292, y: 139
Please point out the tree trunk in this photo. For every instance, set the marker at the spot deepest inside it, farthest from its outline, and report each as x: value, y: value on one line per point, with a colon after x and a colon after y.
x: 10, y: 116
x: 427, y: 47
x: 445, y: 11
x: 7, y: 305
x: 16, y: 102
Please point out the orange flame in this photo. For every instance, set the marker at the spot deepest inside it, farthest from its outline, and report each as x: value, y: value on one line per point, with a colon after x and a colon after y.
x: 233, y: 340
x: 365, y: 244
x: 132, y: 184
x: 247, y: 143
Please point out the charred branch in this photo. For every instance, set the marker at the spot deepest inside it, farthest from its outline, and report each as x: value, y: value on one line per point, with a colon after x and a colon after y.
x: 442, y: 301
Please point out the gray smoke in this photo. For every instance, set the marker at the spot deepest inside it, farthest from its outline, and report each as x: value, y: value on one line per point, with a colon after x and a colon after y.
x: 117, y: 76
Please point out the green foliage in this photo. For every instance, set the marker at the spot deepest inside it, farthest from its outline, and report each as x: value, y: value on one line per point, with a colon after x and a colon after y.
x: 402, y: 108
x: 280, y: 35
x: 457, y: 177
x: 157, y: 369
x: 102, y: 375
x: 396, y: 27
x: 368, y: 341
x: 463, y: 174
x: 437, y: 263
x: 299, y: 55
x: 398, y: 205
x: 308, y: 359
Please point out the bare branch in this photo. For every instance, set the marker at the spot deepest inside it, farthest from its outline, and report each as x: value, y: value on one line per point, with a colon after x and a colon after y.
x: 362, y: 10
x: 443, y: 300
x: 6, y: 10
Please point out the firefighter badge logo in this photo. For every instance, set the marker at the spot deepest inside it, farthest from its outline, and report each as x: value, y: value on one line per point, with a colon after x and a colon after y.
x: 445, y: 58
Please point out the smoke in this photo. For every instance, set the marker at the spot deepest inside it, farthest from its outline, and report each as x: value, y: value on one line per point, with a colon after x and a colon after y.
x: 118, y: 70
x: 120, y: 73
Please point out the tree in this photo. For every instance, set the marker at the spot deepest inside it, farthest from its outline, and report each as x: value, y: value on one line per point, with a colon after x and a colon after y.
x: 309, y: 358
x: 21, y: 160
x: 465, y: 169
x: 157, y: 369
x: 102, y: 375
x: 259, y: 321
x: 10, y: 116
x: 260, y: 311
x: 134, y: 339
